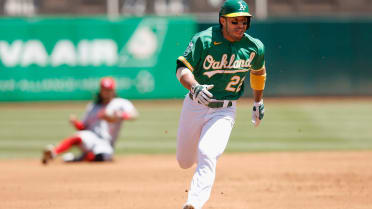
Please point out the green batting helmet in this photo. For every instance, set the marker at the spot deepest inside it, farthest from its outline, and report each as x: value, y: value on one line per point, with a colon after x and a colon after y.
x: 234, y: 8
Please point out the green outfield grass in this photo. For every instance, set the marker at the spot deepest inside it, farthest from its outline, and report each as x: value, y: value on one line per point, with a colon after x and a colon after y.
x: 289, y: 125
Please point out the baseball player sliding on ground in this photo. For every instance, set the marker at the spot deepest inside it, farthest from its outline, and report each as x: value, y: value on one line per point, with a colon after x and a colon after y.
x: 214, y: 67
x: 99, y: 129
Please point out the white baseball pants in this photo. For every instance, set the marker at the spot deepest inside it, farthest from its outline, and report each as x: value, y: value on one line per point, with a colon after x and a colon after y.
x: 91, y: 142
x: 203, y: 135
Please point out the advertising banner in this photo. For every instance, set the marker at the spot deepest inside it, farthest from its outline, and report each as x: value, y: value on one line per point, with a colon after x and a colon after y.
x: 64, y: 58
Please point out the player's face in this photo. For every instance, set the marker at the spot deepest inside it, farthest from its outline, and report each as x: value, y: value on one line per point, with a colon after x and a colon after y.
x: 107, y: 94
x: 234, y: 27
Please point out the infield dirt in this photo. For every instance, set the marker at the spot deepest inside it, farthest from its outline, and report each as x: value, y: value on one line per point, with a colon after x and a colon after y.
x: 295, y: 180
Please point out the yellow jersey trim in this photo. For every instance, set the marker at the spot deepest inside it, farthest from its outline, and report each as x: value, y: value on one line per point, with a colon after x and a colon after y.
x: 257, y: 81
x: 261, y: 69
x: 184, y: 61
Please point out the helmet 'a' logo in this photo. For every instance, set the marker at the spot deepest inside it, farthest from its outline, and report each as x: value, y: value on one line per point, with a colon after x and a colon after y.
x: 242, y: 7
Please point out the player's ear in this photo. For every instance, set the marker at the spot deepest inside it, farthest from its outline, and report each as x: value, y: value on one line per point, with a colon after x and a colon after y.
x: 222, y: 20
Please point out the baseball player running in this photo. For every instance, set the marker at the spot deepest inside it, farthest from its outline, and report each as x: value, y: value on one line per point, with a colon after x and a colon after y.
x: 214, y: 67
x: 98, y: 131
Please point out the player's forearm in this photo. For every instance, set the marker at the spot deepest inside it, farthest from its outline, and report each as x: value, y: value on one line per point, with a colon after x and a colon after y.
x: 186, y: 77
x: 257, y: 95
x: 257, y: 80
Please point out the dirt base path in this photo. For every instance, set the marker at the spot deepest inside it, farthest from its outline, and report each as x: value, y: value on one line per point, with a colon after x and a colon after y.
x: 312, y: 180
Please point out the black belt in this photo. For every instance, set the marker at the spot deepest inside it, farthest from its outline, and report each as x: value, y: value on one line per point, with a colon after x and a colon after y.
x: 214, y: 104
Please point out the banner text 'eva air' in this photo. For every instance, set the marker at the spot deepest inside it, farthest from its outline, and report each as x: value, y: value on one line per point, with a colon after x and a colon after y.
x: 64, y: 58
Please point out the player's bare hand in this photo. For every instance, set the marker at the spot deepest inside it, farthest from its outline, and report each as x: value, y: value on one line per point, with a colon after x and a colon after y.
x: 201, y: 94
x: 73, y: 118
x: 76, y: 122
x: 258, y: 113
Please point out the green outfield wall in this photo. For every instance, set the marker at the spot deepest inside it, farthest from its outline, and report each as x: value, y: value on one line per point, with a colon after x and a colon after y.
x: 62, y: 58
x: 315, y: 56
x: 318, y: 57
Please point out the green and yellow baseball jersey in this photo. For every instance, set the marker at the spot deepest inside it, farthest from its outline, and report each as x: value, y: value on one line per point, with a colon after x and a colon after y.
x: 215, y: 60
